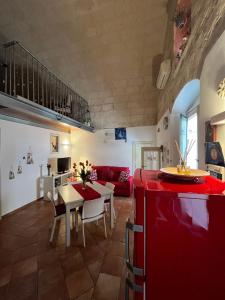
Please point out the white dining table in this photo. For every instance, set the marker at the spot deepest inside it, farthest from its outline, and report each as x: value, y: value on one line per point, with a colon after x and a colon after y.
x: 73, y: 199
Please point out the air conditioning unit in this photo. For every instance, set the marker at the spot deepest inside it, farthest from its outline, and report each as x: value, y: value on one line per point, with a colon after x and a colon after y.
x: 164, y: 73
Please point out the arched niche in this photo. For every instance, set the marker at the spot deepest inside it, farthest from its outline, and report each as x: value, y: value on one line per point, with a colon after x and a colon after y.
x: 187, y: 99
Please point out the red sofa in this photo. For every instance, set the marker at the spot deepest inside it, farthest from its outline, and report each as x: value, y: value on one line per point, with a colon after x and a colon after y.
x: 111, y: 174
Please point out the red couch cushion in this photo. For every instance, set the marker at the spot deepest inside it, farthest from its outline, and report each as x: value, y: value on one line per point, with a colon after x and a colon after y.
x: 109, y: 173
x: 112, y: 174
x: 121, y: 185
x: 117, y: 171
x: 103, y: 172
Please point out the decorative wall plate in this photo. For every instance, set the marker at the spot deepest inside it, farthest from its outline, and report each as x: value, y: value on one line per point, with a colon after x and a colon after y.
x: 165, y: 122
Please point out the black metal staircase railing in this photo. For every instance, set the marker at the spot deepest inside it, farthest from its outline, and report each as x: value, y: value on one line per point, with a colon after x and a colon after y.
x: 21, y: 74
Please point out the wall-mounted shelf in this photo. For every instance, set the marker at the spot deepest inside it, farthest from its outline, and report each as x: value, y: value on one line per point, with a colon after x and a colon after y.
x: 52, y: 182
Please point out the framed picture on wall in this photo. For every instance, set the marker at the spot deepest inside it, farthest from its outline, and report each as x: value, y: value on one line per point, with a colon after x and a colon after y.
x: 121, y: 133
x: 54, y: 143
x: 214, y: 154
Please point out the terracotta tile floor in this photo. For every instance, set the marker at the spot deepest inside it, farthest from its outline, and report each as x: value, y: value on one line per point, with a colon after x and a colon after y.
x: 32, y: 268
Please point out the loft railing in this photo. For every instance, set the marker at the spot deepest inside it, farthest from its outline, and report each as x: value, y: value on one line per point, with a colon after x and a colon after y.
x: 23, y: 75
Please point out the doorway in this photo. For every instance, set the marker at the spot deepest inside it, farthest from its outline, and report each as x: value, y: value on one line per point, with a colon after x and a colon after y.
x: 150, y: 158
x: 136, y: 153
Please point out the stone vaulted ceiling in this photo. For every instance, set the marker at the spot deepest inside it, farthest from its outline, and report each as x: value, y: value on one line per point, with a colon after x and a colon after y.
x: 105, y: 49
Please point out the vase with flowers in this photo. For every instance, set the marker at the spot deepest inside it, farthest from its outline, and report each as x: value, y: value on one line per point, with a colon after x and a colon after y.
x: 83, y: 171
x: 75, y: 170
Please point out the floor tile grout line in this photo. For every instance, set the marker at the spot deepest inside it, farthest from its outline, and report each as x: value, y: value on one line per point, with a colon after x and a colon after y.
x: 97, y: 242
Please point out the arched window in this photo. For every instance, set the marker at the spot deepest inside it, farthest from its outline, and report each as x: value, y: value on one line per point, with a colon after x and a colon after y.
x: 186, y: 107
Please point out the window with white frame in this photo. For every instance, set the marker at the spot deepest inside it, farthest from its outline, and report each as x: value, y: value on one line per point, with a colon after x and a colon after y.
x: 189, y: 134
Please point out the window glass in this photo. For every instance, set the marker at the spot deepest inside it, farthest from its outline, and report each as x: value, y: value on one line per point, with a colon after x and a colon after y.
x: 183, y: 133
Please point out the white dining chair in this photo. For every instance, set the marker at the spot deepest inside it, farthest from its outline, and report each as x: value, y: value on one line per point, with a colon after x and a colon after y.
x: 59, y: 213
x: 92, y: 210
x: 110, y: 186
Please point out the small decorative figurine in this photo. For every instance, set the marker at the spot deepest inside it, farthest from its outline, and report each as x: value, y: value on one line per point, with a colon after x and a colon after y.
x: 29, y: 157
x: 11, y: 173
x: 19, y: 169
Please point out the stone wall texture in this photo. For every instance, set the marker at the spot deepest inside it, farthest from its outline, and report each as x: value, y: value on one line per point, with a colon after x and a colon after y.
x: 104, y: 49
x: 109, y: 50
x: 208, y: 23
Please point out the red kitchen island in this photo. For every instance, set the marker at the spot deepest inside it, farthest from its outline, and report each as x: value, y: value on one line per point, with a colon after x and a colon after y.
x: 179, y: 239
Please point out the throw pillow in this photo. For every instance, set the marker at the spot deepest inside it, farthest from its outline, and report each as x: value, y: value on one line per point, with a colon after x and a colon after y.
x: 93, y: 175
x: 124, y: 176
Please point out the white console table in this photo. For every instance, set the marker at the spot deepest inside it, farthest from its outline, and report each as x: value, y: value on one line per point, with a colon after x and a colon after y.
x: 50, y: 184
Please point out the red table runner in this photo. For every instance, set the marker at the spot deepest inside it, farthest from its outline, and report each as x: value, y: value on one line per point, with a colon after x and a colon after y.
x: 88, y: 193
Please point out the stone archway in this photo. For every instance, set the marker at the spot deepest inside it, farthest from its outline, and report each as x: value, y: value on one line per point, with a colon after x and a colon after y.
x: 187, y: 97
x: 208, y: 23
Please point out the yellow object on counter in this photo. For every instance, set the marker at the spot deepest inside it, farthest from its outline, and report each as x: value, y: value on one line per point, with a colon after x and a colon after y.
x: 176, y: 171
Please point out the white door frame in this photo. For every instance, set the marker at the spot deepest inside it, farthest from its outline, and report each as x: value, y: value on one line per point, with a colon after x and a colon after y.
x: 134, y: 144
x: 151, y: 149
